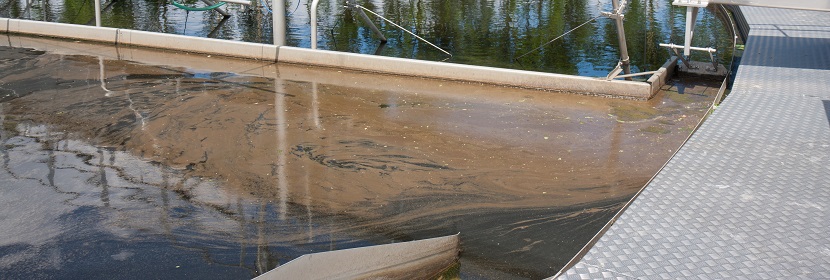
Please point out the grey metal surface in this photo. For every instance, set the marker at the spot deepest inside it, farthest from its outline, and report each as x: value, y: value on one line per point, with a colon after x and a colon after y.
x: 815, y: 5
x: 748, y: 196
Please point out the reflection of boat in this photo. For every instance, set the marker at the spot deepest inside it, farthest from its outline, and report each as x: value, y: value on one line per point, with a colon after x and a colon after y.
x: 406, y: 260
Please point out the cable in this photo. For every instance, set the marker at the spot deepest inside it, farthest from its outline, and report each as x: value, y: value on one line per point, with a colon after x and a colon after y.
x: 560, y: 36
x: 404, y: 29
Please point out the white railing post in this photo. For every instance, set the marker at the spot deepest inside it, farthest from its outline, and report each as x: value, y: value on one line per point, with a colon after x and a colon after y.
x: 278, y: 17
x: 314, y: 23
x: 98, y: 13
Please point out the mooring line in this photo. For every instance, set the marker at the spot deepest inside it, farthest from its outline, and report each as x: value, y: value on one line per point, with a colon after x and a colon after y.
x: 560, y: 36
x: 404, y: 29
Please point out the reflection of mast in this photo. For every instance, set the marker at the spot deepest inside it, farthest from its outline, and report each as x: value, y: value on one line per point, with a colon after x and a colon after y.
x: 110, y: 93
x: 315, y: 106
x: 243, y: 239
x: 308, y: 203
x: 262, y: 246
x: 3, y: 150
x: 164, y: 218
x: 50, y: 163
x: 614, y: 152
x: 315, y: 115
x: 282, y: 182
x: 45, y: 10
x: 27, y: 12
x: 105, y: 197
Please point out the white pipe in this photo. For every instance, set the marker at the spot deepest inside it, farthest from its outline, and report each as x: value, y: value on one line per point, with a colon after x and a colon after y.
x: 314, y: 23
x: 278, y: 18
x: 636, y: 74
x: 98, y: 13
x: 243, y: 2
x: 673, y: 46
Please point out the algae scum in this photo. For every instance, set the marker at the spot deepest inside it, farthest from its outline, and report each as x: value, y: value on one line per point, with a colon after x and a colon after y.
x: 110, y: 167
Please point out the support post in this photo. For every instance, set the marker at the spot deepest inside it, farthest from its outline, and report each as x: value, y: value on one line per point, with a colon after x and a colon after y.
x: 367, y: 21
x: 218, y: 10
x: 314, y: 23
x: 692, y: 8
x: 98, y: 13
x: 691, y: 18
x: 278, y: 17
x: 624, y: 59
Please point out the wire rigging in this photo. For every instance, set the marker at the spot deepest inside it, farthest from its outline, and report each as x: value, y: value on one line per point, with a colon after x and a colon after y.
x: 404, y: 29
x: 560, y: 36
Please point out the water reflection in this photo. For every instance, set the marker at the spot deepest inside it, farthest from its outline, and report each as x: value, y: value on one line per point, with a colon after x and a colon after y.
x: 67, y: 201
x: 232, y: 174
x: 282, y: 147
x: 491, y: 32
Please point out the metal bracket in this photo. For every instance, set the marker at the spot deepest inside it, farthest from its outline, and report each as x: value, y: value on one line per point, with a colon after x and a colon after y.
x: 710, y: 51
x: 682, y: 59
x: 613, y: 15
x: 614, y: 73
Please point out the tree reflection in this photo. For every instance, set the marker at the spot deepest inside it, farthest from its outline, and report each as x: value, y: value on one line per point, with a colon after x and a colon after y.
x: 478, y: 32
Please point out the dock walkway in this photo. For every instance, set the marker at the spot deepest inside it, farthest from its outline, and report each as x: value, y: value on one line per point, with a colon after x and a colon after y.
x: 748, y: 196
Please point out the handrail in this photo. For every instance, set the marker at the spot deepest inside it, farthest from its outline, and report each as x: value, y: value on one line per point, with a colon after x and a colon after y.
x: 314, y: 24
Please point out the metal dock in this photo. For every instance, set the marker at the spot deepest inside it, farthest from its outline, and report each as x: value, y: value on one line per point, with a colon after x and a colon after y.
x: 748, y: 196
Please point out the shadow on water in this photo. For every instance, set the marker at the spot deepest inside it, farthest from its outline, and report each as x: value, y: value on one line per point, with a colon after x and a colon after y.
x: 488, y: 33
x: 114, y: 166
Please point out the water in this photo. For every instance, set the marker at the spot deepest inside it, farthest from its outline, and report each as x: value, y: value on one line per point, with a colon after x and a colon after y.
x: 489, y: 32
x: 178, y: 169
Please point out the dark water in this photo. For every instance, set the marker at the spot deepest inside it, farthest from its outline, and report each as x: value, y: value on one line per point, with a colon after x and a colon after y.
x: 120, y: 169
x: 478, y: 32
x: 76, y: 211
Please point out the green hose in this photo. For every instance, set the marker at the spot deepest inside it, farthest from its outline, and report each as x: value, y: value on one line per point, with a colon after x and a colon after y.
x: 186, y: 8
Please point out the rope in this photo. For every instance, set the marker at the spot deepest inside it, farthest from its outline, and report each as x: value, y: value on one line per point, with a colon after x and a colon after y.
x: 404, y: 29
x: 560, y: 36
x: 187, y: 8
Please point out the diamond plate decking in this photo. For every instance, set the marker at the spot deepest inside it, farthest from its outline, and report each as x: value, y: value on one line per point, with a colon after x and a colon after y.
x: 748, y: 197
